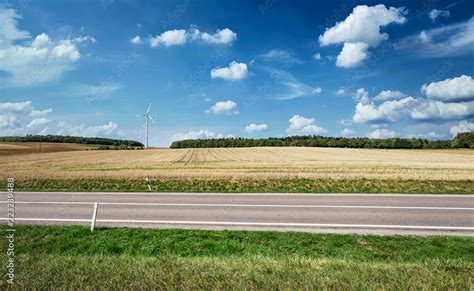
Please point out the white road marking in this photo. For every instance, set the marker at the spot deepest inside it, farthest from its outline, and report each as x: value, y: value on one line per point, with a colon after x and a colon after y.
x: 244, y: 205
x: 324, y: 225
x: 248, y: 194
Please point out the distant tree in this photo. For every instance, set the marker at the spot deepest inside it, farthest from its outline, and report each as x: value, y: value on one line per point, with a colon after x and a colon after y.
x: 71, y: 139
x: 462, y: 140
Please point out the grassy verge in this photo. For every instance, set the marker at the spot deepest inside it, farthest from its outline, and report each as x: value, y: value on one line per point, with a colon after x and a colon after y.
x: 75, y: 258
x: 295, y: 185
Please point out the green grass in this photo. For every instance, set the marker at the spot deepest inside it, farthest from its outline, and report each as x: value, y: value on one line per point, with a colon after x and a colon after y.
x: 295, y: 185
x: 112, y: 258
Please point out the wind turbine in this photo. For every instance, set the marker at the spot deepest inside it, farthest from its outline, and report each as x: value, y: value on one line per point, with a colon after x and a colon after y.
x: 147, y: 116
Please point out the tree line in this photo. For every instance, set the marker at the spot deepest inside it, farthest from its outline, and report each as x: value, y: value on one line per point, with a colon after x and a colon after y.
x: 462, y: 140
x: 71, y: 139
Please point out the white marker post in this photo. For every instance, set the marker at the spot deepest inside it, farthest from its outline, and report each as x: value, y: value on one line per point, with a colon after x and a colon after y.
x: 148, y: 183
x: 94, y: 215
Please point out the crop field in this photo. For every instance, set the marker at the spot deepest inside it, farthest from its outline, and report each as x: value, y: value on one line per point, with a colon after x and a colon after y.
x: 314, y: 163
x: 17, y: 148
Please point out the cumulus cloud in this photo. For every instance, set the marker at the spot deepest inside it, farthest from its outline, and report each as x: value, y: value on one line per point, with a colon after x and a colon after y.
x: 199, y: 134
x: 12, y: 113
x: 435, y: 13
x: 360, y: 30
x: 317, y: 90
x: 300, y: 125
x: 435, y: 110
x: 136, y: 40
x: 382, y: 133
x: 341, y: 91
x: 224, y: 36
x: 361, y: 96
x: 37, y: 61
x: 352, y: 54
x: 21, y: 118
x: 224, y: 107
x: 347, y: 132
x: 317, y: 56
x: 463, y: 126
x: 179, y: 37
x: 252, y: 127
x: 235, y: 71
x: 389, y: 95
x: 169, y: 38
x: 455, y: 89
x: 389, y: 111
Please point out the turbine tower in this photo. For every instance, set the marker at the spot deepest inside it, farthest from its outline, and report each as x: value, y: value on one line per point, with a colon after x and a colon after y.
x: 147, y: 116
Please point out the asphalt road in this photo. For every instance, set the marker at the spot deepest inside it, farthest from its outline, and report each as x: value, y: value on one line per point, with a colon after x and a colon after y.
x: 335, y: 213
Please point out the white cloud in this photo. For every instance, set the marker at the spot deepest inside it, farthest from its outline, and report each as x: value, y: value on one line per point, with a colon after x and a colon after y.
x: 300, y: 125
x: 435, y: 13
x: 228, y: 107
x: 389, y: 111
x: 344, y: 122
x: 348, y: 132
x: 463, y: 126
x: 108, y: 129
x: 40, y: 113
x: 9, y: 27
x: 181, y: 36
x: 92, y: 92
x: 252, y: 127
x: 136, y: 40
x: 224, y: 36
x: 283, y: 56
x: 361, y: 96
x: 341, y: 91
x: 435, y: 110
x: 363, y: 25
x: 37, y: 61
x: 21, y: 118
x: 287, y: 86
x: 170, y: 38
x: 455, y: 89
x: 389, y: 95
x: 352, y: 55
x: 235, y: 71
x: 11, y: 114
x: 382, y: 133
x: 317, y: 56
x: 317, y: 90
x: 200, y: 134
x: 35, y: 123
x: 360, y: 30
x: 449, y: 40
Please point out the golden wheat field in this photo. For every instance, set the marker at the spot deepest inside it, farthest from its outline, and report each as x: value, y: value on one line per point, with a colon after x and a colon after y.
x: 282, y: 162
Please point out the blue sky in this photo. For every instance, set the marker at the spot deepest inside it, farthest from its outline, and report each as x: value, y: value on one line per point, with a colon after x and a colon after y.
x: 237, y: 68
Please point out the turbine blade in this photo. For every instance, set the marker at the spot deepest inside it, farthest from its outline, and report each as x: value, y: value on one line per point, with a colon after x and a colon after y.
x: 149, y: 115
x: 149, y: 107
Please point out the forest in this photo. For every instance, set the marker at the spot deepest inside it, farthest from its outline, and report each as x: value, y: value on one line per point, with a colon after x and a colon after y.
x: 462, y: 140
x: 71, y: 139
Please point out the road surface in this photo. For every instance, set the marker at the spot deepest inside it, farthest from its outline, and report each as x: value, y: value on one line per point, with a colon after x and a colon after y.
x: 334, y: 213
